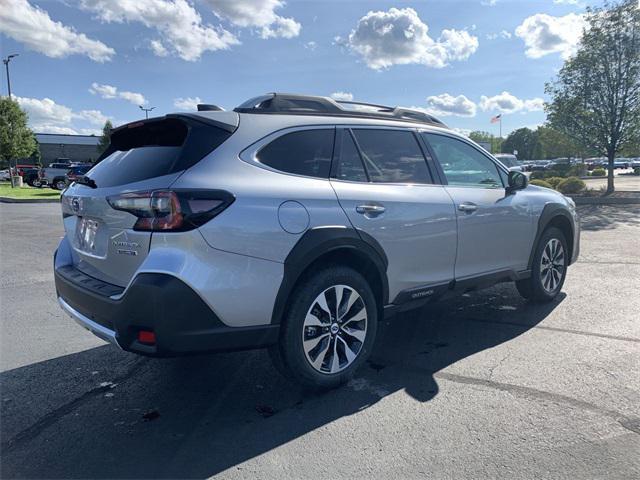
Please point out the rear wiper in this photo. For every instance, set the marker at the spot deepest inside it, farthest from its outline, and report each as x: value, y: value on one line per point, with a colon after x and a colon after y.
x: 84, y: 180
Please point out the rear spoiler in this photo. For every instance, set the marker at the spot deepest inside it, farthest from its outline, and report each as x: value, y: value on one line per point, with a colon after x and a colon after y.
x: 227, y: 121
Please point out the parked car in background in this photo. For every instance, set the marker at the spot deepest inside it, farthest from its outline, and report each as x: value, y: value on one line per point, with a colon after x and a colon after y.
x: 55, y: 175
x: 635, y: 163
x: 32, y: 177
x: 510, y: 161
x: 539, y: 166
x: 5, y: 175
x: 77, y: 171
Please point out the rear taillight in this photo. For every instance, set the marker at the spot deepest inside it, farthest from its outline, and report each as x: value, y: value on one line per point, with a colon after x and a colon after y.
x: 171, y: 210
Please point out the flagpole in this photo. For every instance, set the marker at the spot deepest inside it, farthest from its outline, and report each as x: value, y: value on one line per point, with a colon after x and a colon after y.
x: 500, y: 127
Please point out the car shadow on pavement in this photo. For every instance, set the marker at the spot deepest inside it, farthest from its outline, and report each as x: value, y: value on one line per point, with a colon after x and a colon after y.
x: 198, y: 416
x: 605, y: 217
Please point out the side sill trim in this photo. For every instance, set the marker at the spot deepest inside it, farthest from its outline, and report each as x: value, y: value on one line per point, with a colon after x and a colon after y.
x: 85, y: 322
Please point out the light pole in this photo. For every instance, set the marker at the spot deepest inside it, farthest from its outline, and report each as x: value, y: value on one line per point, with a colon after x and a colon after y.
x: 6, y: 65
x: 146, y: 111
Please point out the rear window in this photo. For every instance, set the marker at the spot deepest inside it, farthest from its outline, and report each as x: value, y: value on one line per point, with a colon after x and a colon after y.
x: 152, y: 149
x: 305, y: 152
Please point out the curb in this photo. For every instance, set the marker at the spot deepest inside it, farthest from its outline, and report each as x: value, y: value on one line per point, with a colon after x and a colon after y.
x: 29, y: 200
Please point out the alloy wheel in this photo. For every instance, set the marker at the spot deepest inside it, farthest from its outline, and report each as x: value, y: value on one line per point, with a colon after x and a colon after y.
x: 334, y: 329
x: 552, y: 265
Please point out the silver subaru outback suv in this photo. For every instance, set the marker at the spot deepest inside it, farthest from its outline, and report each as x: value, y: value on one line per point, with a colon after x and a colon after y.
x: 296, y: 223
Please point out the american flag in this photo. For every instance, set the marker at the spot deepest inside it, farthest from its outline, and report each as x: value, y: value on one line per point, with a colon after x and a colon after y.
x: 496, y: 119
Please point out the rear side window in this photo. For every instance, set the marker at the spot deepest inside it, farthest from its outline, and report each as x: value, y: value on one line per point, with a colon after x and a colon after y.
x: 305, y: 152
x: 392, y: 156
x: 152, y: 149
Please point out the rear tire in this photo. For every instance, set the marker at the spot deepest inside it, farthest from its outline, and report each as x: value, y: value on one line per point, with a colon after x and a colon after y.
x: 549, y: 268
x: 59, y: 184
x: 329, y: 329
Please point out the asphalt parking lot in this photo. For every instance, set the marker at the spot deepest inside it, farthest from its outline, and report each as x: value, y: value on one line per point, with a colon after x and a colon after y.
x: 485, y: 386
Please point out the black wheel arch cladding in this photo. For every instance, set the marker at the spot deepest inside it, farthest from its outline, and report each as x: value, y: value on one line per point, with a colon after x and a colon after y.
x: 319, y: 242
x: 557, y: 215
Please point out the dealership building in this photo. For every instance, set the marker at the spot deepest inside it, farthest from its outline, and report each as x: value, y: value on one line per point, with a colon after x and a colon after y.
x: 73, y: 148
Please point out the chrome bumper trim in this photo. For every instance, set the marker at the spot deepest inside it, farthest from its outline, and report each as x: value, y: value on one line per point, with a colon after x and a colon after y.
x: 98, y: 330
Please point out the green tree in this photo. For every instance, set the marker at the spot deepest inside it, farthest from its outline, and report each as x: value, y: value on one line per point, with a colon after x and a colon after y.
x: 596, y: 95
x: 16, y: 138
x: 525, y: 141
x: 106, y: 137
x: 556, y: 144
x: 486, y: 137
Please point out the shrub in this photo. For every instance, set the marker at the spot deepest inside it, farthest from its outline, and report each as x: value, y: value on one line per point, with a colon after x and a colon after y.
x: 571, y: 185
x: 537, y: 175
x: 554, y: 181
x: 598, y: 172
x: 560, y: 170
x: 636, y: 171
x: 540, y: 183
x: 578, y: 170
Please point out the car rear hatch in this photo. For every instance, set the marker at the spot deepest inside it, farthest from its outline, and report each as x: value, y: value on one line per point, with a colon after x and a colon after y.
x: 108, y: 236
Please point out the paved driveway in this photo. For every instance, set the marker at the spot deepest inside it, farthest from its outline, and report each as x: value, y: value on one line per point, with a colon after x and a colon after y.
x: 485, y: 386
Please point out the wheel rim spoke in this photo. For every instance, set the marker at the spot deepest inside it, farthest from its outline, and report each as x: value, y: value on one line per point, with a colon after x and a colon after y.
x: 552, y: 265
x: 329, y: 338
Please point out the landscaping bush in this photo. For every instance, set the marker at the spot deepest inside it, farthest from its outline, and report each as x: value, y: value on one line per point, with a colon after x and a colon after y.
x: 554, y: 181
x: 598, y: 172
x: 579, y: 170
x: 571, y: 185
x: 636, y: 171
x: 540, y: 183
x: 537, y: 175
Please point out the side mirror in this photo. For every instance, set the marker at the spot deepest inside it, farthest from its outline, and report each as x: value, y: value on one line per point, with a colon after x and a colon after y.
x: 517, y: 181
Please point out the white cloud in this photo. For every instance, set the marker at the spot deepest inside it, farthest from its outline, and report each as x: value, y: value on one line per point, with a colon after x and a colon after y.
x: 158, y: 48
x: 342, y: 96
x: 544, y: 34
x: 507, y: 103
x: 34, y: 28
x: 578, y: 3
x: 445, y: 104
x: 488, y: 3
x: 258, y: 14
x: 310, y: 45
x: 47, y: 116
x: 111, y: 92
x: 188, y: 103
x: 502, y: 34
x: 180, y: 25
x: 399, y: 37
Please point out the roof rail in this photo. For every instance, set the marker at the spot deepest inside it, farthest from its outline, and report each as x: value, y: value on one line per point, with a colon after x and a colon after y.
x: 294, y: 104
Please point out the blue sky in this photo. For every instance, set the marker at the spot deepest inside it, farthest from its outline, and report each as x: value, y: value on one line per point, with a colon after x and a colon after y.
x: 82, y: 61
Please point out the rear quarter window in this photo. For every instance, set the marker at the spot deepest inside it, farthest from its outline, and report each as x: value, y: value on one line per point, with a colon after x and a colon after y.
x: 305, y: 152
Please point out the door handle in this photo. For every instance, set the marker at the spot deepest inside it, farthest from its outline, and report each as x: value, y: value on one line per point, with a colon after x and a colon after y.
x: 467, y: 207
x: 370, y: 210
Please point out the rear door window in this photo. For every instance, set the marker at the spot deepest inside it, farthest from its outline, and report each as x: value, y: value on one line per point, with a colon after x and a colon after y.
x: 349, y: 164
x: 305, y: 152
x: 392, y: 156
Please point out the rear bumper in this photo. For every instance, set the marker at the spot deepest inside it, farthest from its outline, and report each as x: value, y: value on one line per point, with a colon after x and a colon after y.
x: 182, y: 322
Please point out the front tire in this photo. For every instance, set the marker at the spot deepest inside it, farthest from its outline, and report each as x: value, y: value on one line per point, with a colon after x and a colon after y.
x: 329, y: 329
x: 549, y: 268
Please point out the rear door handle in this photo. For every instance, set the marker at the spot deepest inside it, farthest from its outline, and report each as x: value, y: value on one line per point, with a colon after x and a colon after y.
x: 370, y: 209
x: 467, y: 207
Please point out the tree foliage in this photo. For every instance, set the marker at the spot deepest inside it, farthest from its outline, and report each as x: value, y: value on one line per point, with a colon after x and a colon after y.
x: 486, y: 137
x: 16, y: 138
x: 526, y: 142
x: 596, y: 96
x: 106, y: 137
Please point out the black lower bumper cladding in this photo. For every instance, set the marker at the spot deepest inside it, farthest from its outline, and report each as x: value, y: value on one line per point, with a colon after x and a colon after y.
x: 182, y: 322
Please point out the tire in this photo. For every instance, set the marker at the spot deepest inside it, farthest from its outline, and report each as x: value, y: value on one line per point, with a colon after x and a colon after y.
x: 59, y: 184
x: 547, y: 276
x: 337, y: 346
